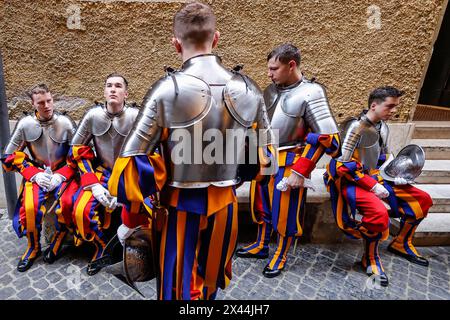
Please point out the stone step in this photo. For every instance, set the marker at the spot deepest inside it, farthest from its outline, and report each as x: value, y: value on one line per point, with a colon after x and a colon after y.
x: 435, y: 172
x: 434, y: 230
x: 432, y: 130
x: 440, y: 193
x: 435, y: 149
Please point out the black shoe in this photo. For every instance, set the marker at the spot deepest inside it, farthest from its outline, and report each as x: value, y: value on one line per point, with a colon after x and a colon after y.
x: 26, y: 264
x: 411, y: 258
x: 93, y: 268
x: 50, y: 257
x: 269, y: 273
x: 242, y: 253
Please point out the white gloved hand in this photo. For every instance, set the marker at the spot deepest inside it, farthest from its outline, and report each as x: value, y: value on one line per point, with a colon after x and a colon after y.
x: 123, y: 232
x: 283, y: 185
x: 42, y: 179
x: 380, y: 191
x: 398, y: 181
x: 101, y: 194
x: 56, y: 181
x: 113, y: 203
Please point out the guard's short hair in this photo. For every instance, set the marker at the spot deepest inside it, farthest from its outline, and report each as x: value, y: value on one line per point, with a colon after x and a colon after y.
x: 40, y: 88
x: 380, y: 94
x: 285, y: 53
x: 194, y: 23
x: 115, y: 74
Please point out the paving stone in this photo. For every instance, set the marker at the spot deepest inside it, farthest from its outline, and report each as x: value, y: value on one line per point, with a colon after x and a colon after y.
x: 21, y: 282
x: 5, y: 280
x: 41, y: 284
x: 37, y: 273
x: 62, y: 286
x: 292, y: 277
x: 73, y: 294
x: 416, y: 295
x: 439, y: 292
x: 53, y: 277
x: 285, y: 285
x: 299, y: 296
x: 27, y: 294
x: 434, y: 297
x: 49, y: 294
x: 438, y: 282
x: 280, y: 294
x: 307, y: 291
x: 7, y: 293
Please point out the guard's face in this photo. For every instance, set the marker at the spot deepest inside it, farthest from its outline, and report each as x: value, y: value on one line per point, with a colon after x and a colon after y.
x: 43, y: 103
x: 115, y: 91
x: 386, y: 109
x: 279, y: 72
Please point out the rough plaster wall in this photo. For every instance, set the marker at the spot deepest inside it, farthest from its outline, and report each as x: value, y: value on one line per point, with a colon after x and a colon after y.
x: 134, y: 38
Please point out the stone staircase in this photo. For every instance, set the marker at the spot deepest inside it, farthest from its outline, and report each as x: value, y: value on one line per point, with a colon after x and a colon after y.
x: 434, y: 138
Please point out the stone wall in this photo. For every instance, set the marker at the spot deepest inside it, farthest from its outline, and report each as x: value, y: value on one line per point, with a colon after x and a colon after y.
x: 350, y: 46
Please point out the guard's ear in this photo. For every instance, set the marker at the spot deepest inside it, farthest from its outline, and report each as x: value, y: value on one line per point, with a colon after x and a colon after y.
x: 216, y: 39
x: 177, y: 44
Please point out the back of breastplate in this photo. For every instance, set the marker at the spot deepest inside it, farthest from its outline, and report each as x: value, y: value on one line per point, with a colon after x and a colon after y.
x: 203, y: 170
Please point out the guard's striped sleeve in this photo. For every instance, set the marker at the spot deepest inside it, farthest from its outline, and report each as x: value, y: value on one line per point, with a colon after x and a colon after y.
x: 81, y: 157
x: 19, y: 161
x: 316, y: 146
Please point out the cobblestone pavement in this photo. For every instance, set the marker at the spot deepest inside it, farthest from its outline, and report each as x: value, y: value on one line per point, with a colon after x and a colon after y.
x: 313, y: 272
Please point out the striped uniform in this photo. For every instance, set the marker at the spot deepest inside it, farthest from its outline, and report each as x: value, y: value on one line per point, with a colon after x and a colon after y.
x: 88, y: 215
x: 349, y: 185
x: 198, y: 236
x: 285, y: 211
x: 30, y: 208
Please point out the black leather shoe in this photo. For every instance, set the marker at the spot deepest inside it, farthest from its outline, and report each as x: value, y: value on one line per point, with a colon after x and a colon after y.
x: 93, y: 268
x: 26, y: 264
x: 269, y: 273
x: 414, y: 259
x: 241, y: 253
x: 50, y: 257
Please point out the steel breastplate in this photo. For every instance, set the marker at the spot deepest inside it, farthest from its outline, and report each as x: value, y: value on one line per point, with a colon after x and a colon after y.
x: 200, y: 165
x: 285, y: 117
x: 46, y: 151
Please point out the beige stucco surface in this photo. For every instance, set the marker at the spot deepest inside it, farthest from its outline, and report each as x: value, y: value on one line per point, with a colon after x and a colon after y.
x: 133, y: 37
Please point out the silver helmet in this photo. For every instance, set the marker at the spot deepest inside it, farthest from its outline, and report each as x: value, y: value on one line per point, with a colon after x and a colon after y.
x: 407, y: 165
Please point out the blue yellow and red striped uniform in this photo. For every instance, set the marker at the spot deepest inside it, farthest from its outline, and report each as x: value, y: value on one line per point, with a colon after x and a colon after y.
x: 30, y: 208
x: 89, y: 216
x: 284, y: 212
x: 198, y: 236
x: 349, y: 185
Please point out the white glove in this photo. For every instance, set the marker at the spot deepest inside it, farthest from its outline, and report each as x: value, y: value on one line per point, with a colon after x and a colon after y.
x: 123, y: 232
x: 398, y: 181
x: 113, y: 203
x: 380, y: 191
x: 101, y: 194
x: 56, y: 181
x: 283, y: 186
x: 42, y: 179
